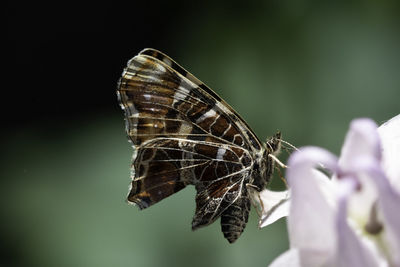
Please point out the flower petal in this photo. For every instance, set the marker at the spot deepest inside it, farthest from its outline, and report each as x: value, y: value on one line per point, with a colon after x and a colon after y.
x: 388, y: 204
x: 362, y: 139
x: 318, y: 223
x: 275, y: 205
x: 362, y: 142
x: 311, y: 220
x: 390, y: 138
x: 290, y: 258
x: 351, y: 250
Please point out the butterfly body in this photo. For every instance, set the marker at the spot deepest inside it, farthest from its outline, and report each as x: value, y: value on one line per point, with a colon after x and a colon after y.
x: 184, y: 134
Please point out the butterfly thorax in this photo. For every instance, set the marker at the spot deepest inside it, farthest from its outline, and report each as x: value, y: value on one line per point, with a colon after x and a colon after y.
x: 264, y: 165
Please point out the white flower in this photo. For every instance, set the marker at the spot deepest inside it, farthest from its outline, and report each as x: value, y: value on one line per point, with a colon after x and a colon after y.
x: 352, y: 219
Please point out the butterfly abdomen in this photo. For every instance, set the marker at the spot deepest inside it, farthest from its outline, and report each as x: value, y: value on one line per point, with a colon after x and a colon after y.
x: 235, y: 217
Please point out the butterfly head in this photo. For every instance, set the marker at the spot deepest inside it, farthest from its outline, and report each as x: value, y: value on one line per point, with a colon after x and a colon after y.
x: 273, y: 144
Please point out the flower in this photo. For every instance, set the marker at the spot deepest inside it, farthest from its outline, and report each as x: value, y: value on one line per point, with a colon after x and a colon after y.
x: 352, y: 219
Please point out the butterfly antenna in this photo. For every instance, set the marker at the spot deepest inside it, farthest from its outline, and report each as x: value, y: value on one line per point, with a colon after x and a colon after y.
x: 287, y: 144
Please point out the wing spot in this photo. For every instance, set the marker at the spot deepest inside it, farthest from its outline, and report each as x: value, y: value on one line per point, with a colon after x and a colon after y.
x: 180, y: 94
x: 210, y: 113
x: 221, y: 153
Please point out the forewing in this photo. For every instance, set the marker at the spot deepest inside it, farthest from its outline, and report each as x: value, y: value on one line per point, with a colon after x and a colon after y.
x: 161, y: 99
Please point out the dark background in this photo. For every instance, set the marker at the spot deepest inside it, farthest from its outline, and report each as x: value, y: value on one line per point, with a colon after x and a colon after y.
x: 304, y: 67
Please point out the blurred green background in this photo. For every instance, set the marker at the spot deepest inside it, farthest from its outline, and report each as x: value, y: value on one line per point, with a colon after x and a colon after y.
x: 306, y: 68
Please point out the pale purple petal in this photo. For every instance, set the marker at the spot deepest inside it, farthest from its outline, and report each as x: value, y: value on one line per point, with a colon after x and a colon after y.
x: 311, y: 220
x: 290, y: 258
x: 362, y: 139
x: 351, y: 251
x: 388, y: 204
x: 275, y: 205
x: 368, y: 181
x: 390, y: 139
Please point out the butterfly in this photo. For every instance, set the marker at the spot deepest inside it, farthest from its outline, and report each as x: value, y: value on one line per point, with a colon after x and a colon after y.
x: 183, y: 134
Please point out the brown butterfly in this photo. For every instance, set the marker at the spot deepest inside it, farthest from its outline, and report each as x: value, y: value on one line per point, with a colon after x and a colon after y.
x: 185, y: 134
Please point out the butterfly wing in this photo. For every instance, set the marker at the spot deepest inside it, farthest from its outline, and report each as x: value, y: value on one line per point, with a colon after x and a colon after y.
x: 182, y: 133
